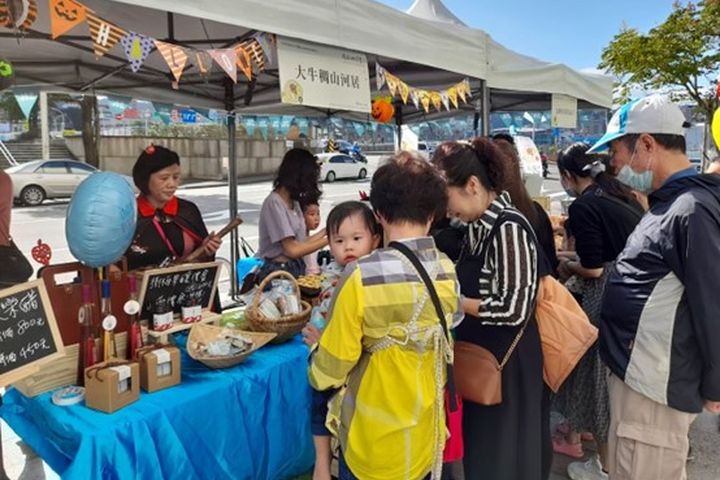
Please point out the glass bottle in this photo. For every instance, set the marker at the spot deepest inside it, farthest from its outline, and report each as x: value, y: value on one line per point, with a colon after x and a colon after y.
x: 132, y: 310
x: 109, y: 322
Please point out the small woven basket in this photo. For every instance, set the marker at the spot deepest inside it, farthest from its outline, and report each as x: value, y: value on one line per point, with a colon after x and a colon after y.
x: 286, y: 326
x: 202, y: 333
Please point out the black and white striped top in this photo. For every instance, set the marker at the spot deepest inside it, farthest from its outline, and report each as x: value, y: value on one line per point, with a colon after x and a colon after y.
x: 508, y: 279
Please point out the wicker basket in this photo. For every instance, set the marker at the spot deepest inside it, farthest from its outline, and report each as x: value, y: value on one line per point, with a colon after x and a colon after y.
x: 287, y: 326
x: 202, y: 333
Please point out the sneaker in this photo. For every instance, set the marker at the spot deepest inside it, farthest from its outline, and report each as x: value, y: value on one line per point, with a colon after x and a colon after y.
x: 590, y: 470
x: 562, y: 446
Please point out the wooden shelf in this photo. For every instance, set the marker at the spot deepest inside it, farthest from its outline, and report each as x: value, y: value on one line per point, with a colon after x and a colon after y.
x: 178, y: 326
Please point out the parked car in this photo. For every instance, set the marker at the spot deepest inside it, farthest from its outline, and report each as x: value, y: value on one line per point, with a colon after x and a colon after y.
x: 426, y: 150
x: 352, y: 149
x: 340, y: 165
x: 36, y: 181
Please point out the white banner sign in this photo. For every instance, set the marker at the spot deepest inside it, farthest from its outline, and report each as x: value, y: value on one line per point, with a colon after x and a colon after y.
x: 564, y: 111
x: 325, y: 77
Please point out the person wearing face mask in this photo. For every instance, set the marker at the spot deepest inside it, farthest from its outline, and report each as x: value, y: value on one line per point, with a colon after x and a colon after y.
x: 168, y: 227
x: 659, y: 331
x: 601, y: 219
x: 499, y: 272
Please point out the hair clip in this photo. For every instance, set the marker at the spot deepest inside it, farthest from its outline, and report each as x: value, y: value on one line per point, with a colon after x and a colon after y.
x: 150, y: 149
x: 595, y: 168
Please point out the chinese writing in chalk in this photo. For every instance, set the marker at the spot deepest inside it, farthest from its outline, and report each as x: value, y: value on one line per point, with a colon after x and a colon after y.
x: 10, y: 307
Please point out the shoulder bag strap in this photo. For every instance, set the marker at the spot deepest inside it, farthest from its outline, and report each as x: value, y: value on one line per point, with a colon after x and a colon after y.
x: 405, y: 250
x: 505, y: 215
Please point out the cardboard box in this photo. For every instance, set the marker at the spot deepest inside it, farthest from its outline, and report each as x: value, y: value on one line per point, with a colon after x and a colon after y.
x: 159, y: 368
x: 109, y: 387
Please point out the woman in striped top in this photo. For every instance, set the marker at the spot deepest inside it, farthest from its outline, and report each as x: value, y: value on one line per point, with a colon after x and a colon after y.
x: 499, y: 289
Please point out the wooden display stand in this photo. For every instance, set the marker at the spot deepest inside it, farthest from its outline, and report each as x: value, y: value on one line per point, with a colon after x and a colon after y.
x: 64, y: 299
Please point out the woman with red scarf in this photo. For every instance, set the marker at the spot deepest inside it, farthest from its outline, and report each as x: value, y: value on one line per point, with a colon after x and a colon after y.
x: 168, y: 227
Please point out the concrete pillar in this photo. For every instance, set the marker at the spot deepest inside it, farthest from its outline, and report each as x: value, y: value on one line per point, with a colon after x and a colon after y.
x: 44, y: 125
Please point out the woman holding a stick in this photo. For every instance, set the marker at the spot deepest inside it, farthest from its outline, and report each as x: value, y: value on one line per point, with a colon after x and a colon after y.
x: 168, y: 228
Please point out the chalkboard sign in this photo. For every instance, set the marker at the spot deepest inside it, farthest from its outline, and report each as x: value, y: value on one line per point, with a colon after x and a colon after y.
x: 29, y: 335
x: 174, y: 286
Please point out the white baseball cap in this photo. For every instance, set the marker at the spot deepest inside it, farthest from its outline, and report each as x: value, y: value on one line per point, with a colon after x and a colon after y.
x: 651, y: 114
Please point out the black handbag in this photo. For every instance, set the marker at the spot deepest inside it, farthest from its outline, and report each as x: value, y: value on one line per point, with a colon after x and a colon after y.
x: 15, y: 266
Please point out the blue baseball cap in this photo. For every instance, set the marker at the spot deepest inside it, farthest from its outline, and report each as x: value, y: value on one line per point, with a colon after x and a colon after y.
x: 651, y: 114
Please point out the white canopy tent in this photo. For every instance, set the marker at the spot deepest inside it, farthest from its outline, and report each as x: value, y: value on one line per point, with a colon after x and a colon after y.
x: 519, y: 82
x: 426, y: 53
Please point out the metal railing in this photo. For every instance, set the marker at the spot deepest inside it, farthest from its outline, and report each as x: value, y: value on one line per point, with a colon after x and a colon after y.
x: 6, y: 153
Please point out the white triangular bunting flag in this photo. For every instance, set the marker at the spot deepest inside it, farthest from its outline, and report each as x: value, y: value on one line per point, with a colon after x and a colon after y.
x: 379, y: 76
x: 226, y: 59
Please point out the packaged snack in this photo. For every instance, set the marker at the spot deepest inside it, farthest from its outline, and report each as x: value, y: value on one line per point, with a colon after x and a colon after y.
x: 268, y: 308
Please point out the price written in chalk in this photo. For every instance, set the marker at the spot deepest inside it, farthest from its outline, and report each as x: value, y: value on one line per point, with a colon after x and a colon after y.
x: 28, y: 333
x: 178, y: 287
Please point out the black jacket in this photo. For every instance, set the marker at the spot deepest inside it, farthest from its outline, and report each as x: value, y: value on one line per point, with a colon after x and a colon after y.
x: 660, y: 324
x: 180, y: 221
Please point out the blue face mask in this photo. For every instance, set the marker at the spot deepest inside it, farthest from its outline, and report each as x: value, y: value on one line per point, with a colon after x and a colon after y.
x: 568, y: 191
x: 641, y: 182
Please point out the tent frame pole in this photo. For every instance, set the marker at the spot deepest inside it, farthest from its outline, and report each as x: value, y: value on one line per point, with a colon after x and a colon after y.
x: 398, y: 124
x: 485, y: 107
x: 232, y: 183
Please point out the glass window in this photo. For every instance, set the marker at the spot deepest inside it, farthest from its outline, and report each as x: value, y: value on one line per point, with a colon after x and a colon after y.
x: 337, y: 159
x: 81, y: 168
x: 53, y: 168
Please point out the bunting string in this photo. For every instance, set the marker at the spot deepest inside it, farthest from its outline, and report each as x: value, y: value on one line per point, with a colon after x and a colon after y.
x: 250, y: 56
x: 438, y: 99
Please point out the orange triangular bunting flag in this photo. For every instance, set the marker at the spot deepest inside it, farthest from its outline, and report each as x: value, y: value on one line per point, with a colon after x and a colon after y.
x: 104, y: 34
x: 243, y: 60
x: 65, y: 15
x: 174, y: 56
x: 225, y: 57
x: 257, y: 54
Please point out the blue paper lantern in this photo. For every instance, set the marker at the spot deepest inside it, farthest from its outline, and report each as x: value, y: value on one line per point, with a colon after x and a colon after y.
x: 101, y: 219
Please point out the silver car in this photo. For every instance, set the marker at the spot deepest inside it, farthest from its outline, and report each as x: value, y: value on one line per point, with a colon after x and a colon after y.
x: 35, y: 181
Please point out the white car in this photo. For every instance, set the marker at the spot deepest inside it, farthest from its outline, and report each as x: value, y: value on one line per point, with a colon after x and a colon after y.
x: 35, y: 181
x: 340, y: 165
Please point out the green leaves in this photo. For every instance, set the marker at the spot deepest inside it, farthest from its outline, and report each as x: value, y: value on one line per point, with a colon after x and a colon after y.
x: 683, y: 51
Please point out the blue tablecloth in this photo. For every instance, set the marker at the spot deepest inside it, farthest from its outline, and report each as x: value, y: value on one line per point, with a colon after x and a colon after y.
x: 247, y: 422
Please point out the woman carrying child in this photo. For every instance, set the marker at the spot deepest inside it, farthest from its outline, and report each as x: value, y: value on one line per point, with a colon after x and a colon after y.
x: 353, y: 233
x: 385, y: 347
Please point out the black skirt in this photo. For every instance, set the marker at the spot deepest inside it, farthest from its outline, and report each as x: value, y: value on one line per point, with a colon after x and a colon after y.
x: 511, y: 441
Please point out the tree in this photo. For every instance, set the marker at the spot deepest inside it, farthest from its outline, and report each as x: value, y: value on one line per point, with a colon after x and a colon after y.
x: 682, y: 52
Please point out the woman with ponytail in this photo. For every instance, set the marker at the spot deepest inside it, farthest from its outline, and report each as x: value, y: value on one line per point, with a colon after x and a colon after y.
x: 600, y: 219
x: 498, y: 271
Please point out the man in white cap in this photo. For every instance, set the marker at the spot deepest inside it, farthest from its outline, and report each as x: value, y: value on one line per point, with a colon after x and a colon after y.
x: 660, y: 325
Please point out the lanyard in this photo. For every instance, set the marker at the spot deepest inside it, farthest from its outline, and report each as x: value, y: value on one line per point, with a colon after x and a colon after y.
x: 164, y: 238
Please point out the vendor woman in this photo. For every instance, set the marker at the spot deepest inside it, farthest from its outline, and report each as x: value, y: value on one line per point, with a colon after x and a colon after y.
x: 168, y: 227
x: 283, y: 233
